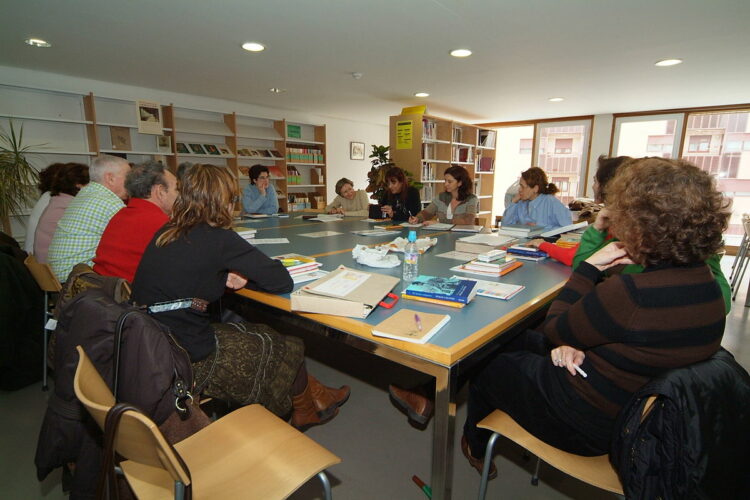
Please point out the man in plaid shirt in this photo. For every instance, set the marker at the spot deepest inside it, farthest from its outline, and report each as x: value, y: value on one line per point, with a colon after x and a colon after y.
x: 83, y: 223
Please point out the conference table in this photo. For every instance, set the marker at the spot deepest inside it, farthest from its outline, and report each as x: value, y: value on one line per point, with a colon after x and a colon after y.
x: 473, y: 332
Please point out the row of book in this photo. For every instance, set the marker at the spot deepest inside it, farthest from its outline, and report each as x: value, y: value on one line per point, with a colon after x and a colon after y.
x: 428, y: 172
x: 293, y: 176
x: 429, y: 129
x: 304, y: 155
x: 463, y: 154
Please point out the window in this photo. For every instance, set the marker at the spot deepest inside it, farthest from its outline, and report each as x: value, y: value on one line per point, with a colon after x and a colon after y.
x: 524, y: 147
x: 654, y: 135
x: 699, y: 143
x: 511, y: 158
x: 730, y: 163
x: 563, y: 146
x: 562, y: 152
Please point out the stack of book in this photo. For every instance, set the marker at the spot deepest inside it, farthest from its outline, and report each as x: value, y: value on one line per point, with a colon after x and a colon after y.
x: 483, y: 243
x: 453, y: 292
x: 492, y: 269
x: 246, y: 233
x: 520, y: 230
x: 297, y: 264
x: 527, y: 253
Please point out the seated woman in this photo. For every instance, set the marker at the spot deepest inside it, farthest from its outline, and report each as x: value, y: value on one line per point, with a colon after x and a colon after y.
x: 70, y: 178
x: 401, y: 201
x: 456, y: 205
x: 535, y: 203
x: 259, y: 197
x: 349, y: 202
x: 621, y: 331
x: 46, y: 177
x: 197, y: 255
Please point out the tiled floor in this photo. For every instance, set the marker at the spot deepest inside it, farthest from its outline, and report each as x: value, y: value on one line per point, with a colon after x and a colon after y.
x: 381, y: 451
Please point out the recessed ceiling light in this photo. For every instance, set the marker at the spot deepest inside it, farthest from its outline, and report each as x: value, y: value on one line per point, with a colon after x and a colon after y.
x: 277, y: 90
x: 460, y: 52
x: 668, y: 62
x: 556, y: 99
x: 421, y: 94
x: 253, y: 46
x: 37, y: 42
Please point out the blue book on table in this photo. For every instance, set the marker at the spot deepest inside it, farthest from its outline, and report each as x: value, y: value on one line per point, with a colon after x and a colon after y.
x: 450, y: 289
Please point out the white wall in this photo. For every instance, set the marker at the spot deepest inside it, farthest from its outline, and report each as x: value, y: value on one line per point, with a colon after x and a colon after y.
x: 339, y: 133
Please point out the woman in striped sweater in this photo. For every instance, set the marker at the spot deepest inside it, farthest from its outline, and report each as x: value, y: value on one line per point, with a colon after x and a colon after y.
x: 668, y: 217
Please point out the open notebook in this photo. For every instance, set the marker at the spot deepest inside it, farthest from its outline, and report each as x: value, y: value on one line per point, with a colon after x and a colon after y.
x: 403, y: 325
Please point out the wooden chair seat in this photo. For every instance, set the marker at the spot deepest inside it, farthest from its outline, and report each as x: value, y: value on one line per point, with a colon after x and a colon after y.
x: 596, y: 471
x: 248, y: 454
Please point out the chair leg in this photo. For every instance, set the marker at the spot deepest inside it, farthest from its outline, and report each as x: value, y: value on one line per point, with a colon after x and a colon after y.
x: 44, y: 347
x: 743, y: 242
x: 740, y: 261
x: 179, y: 490
x: 486, y: 468
x: 326, y: 485
x: 740, y: 275
x: 535, y: 477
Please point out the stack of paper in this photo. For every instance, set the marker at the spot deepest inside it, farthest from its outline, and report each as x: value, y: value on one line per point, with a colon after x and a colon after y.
x: 297, y: 264
x: 482, y: 243
x: 520, y: 230
x: 493, y: 269
x: 246, y: 233
x: 438, y: 226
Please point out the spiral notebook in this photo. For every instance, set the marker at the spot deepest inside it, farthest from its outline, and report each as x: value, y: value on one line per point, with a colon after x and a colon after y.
x: 405, y: 325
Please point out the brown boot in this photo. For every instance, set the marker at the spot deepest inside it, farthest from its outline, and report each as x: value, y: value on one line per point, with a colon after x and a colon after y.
x: 304, y: 413
x: 327, y: 399
x: 414, y: 402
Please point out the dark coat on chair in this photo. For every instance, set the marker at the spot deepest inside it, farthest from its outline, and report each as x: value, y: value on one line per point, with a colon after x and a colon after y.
x: 695, y: 441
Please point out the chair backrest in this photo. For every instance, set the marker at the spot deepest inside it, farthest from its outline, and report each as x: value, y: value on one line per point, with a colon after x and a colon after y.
x: 137, y: 437
x: 42, y: 274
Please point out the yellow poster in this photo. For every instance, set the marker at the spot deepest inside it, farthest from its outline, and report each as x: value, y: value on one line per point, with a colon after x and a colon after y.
x: 404, y: 131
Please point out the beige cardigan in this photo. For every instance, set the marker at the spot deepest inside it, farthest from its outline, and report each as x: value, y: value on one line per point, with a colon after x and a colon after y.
x: 358, y: 206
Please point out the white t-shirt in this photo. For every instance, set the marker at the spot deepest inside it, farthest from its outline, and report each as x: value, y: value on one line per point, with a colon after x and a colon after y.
x: 36, y: 214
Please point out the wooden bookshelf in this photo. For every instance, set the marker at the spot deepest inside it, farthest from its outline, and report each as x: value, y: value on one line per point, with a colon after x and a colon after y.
x: 427, y: 145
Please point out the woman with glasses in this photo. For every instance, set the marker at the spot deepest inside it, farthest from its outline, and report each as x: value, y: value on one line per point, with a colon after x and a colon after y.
x: 197, y: 256
x: 259, y: 197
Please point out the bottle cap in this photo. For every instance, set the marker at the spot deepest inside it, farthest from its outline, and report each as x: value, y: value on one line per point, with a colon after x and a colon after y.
x: 412, y: 236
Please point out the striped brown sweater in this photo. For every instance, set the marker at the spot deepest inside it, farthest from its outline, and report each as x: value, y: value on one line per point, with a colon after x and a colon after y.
x: 633, y: 327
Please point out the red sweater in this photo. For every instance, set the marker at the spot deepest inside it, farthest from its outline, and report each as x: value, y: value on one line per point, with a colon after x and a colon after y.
x: 126, y: 237
x: 563, y: 254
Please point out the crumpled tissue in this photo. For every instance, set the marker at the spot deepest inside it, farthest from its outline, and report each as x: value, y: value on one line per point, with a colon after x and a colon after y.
x: 374, y: 257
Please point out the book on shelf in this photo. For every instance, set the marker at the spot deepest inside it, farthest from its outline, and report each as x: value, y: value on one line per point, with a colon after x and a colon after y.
x: 457, y: 305
x: 428, y: 151
x: 120, y: 138
x: 487, y: 138
x: 275, y: 172
x: 486, y: 164
x: 440, y: 288
x: 467, y: 228
x: 462, y: 268
x: 495, y: 290
x: 429, y: 129
x: 411, y: 326
x: 520, y: 230
x: 458, y: 134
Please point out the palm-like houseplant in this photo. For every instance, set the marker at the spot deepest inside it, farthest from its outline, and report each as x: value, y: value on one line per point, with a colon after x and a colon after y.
x: 376, y: 176
x: 18, y: 178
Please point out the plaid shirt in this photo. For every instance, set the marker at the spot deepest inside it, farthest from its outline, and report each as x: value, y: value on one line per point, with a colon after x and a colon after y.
x: 81, y: 227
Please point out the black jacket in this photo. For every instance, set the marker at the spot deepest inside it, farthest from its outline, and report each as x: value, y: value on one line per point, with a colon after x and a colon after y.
x: 695, y: 441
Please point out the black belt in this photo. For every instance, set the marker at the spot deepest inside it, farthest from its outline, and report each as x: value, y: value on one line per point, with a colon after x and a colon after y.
x: 175, y: 305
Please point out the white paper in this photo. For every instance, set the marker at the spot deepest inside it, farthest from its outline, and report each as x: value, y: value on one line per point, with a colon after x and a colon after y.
x: 51, y: 324
x: 438, y: 226
x: 488, y: 239
x: 455, y: 255
x: 269, y: 241
x: 493, y: 289
x: 342, y: 284
x: 564, y: 229
x: 328, y: 217
x: 406, y: 224
x: 304, y: 278
x: 320, y: 234
x: 373, y: 232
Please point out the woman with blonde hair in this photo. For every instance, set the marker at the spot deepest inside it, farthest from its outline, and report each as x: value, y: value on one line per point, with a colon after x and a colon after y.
x: 536, y: 204
x: 196, y: 256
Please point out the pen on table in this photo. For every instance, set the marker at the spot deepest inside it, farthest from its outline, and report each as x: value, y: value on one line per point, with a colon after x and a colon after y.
x: 578, y: 369
x: 427, y: 490
x: 418, y: 321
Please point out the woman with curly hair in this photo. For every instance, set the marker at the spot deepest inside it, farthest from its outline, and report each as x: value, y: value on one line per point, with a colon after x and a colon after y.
x: 535, y: 203
x: 197, y: 256
x: 622, y: 331
x: 456, y: 205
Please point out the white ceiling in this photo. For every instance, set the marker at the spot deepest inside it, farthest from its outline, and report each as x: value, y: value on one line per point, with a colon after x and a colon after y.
x: 598, y: 54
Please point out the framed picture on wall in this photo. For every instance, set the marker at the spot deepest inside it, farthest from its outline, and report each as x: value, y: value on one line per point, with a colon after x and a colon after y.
x: 356, y: 150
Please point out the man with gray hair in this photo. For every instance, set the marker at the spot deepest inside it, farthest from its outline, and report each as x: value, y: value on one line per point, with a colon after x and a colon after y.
x: 81, y: 226
x: 153, y: 190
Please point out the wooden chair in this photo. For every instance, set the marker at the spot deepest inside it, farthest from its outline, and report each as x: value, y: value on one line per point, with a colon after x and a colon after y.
x: 49, y: 284
x: 249, y: 454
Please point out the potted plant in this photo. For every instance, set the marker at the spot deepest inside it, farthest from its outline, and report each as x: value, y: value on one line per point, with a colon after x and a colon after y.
x: 376, y: 177
x: 18, y: 178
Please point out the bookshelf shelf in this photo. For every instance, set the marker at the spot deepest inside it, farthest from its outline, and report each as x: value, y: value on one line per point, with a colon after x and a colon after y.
x: 45, y: 119
x: 129, y: 152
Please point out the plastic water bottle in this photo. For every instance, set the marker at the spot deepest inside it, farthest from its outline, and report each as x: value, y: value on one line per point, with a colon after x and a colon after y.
x: 411, y: 258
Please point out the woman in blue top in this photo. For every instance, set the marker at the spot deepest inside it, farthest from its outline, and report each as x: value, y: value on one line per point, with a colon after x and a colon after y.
x: 259, y: 197
x: 535, y: 203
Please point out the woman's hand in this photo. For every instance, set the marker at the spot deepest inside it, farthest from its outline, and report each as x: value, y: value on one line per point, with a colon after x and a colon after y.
x: 262, y: 184
x: 602, y: 220
x: 535, y: 243
x: 235, y: 281
x: 430, y: 222
x: 567, y: 357
x: 338, y: 210
x: 516, y: 198
x: 612, y: 255
x: 413, y: 219
x: 387, y: 210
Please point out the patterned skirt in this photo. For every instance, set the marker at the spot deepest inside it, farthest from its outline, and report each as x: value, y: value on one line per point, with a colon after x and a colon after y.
x: 252, y: 364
